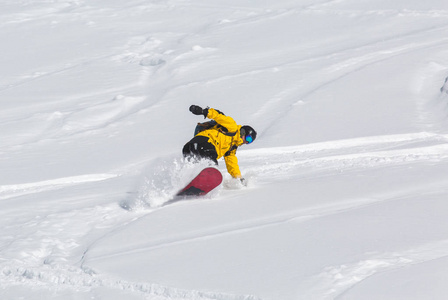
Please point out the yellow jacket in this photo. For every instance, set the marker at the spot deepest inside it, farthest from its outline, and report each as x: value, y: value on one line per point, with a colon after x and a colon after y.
x: 225, y: 143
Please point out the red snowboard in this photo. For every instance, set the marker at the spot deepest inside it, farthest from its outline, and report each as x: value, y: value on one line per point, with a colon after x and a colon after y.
x: 207, y: 180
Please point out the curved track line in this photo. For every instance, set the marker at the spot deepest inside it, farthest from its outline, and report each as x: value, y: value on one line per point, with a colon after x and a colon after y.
x: 14, y: 190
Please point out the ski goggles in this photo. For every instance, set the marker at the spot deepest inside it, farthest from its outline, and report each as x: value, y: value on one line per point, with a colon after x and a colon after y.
x: 249, y: 139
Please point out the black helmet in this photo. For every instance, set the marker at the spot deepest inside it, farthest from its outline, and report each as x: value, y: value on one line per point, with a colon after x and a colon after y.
x: 249, y: 132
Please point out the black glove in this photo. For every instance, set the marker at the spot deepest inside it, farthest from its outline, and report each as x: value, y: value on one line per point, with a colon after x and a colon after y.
x: 197, y: 110
x: 243, y: 181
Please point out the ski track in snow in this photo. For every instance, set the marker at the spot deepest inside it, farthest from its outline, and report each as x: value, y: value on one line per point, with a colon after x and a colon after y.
x: 42, y: 243
x: 49, y: 246
x: 323, y: 158
x: 340, y: 63
x: 296, y: 216
x: 79, y: 280
x: 344, y: 155
x: 335, y: 280
x: 340, y: 156
x: 15, y: 190
x: 147, y: 53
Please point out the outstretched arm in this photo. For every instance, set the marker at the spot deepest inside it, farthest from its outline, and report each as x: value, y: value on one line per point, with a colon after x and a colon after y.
x: 216, y: 115
x: 232, y: 165
x: 233, y: 169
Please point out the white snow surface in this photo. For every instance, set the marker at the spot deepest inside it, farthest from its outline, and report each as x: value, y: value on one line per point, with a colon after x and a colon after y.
x: 347, y: 181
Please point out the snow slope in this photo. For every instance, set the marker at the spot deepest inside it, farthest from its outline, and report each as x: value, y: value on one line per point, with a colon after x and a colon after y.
x: 348, y: 178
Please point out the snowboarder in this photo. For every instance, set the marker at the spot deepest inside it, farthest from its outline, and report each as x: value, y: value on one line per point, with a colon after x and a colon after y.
x: 219, y: 138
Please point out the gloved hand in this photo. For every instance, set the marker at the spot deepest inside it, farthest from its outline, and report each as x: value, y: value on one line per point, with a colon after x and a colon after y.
x: 243, y: 181
x: 197, y: 110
